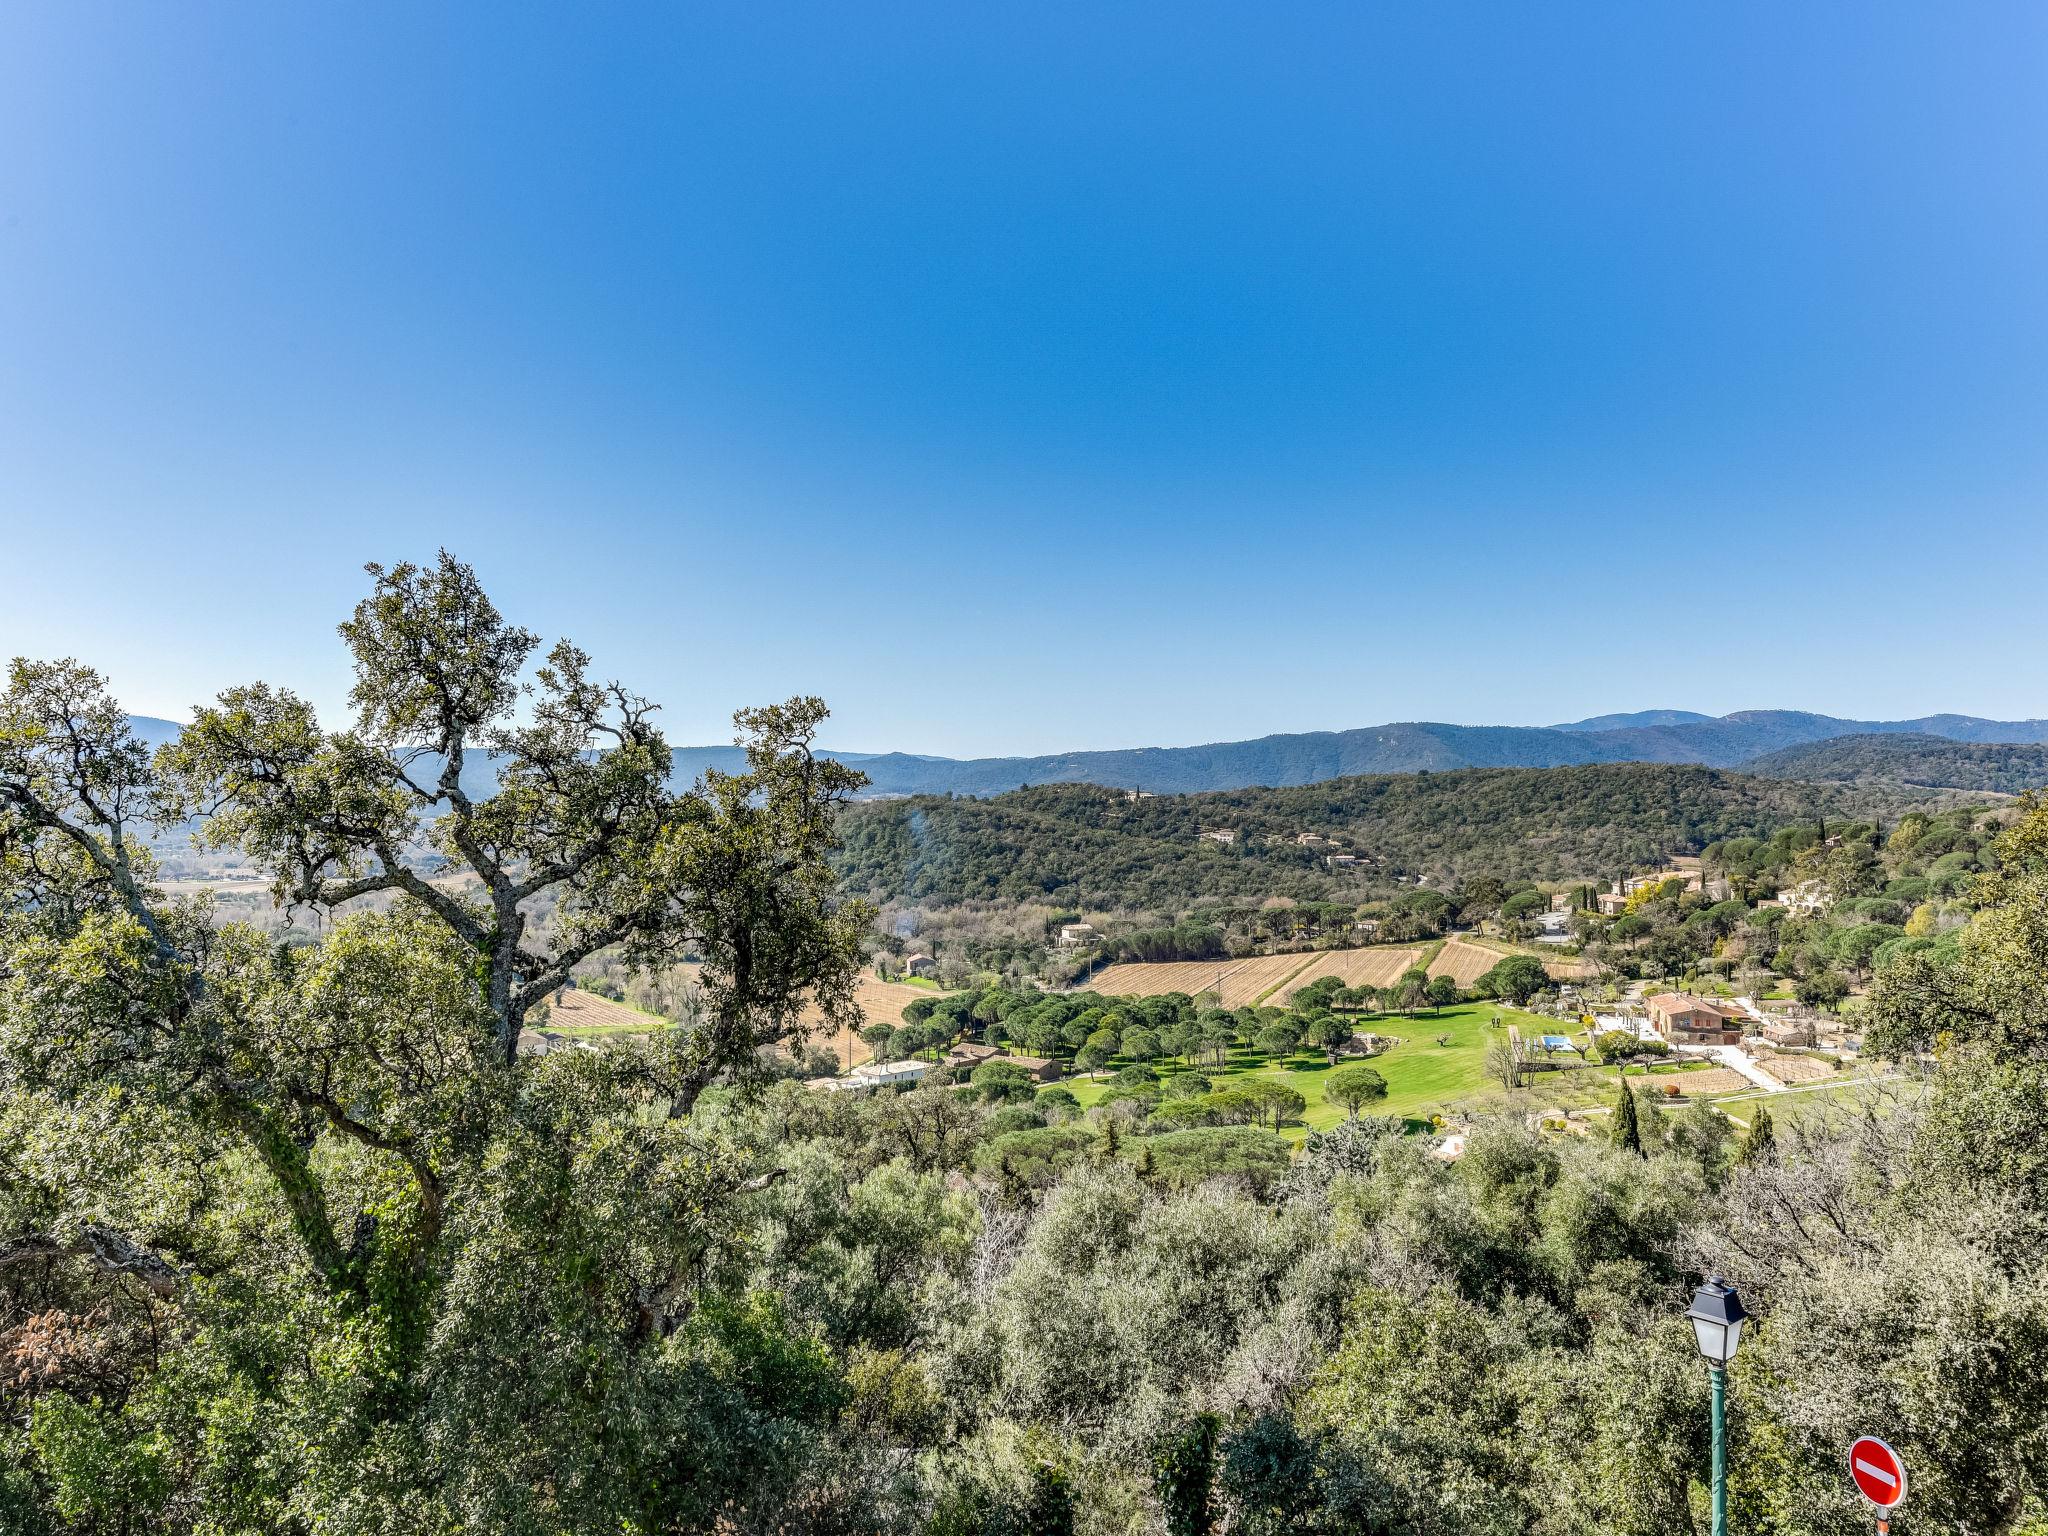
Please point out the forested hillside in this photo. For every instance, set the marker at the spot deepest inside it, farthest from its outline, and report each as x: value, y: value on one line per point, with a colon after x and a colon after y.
x: 1099, y: 848
x: 306, y: 1239
x: 1932, y: 761
x: 1408, y: 746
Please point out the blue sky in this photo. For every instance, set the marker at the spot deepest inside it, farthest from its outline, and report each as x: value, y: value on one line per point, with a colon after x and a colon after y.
x: 1029, y: 377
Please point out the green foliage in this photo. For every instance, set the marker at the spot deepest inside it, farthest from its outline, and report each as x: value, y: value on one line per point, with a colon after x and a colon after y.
x: 1087, y: 847
x: 1516, y: 979
x: 1760, y: 1140
x: 289, y: 1244
x: 1183, y: 1475
x: 1626, y: 1132
x: 1907, y: 759
x: 1354, y: 1088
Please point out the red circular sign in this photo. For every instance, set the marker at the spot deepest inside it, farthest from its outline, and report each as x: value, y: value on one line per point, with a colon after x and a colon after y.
x: 1880, y: 1475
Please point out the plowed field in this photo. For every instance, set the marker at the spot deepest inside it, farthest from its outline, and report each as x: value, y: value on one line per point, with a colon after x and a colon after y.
x: 1355, y: 967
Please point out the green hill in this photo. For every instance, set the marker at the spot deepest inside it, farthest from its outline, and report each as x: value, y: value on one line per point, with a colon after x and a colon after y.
x: 1100, y: 848
x: 1916, y: 760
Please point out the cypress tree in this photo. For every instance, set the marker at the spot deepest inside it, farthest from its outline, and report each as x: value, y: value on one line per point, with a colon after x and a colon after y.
x: 1627, y: 1133
x: 1760, y: 1140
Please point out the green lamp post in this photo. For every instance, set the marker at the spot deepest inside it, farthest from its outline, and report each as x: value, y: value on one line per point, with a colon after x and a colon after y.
x: 1717, y: 1317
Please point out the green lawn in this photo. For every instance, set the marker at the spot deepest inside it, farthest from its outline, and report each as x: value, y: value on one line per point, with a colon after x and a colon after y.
x: 1802, y: 1101
x: 1422, y: 1077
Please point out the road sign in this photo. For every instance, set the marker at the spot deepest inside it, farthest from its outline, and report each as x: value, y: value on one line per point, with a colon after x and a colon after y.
x: 1880, y: 1475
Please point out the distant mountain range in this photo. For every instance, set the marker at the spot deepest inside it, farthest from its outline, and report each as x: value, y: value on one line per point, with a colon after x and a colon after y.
x: 1654, y: 736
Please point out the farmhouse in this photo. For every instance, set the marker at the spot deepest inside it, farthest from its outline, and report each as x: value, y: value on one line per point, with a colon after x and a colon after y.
x: 1611, y: 903
x: 1041, y: 1070
x: 1222, y: 835
x: 920, y: 965
x: 1341, y: 860
x: 969, y: 1055
x: 1687, y: 1020
x: 1311, y: 840
x: 872, y: 1075
x: 1078, y: 933
x: 1788, y: 1031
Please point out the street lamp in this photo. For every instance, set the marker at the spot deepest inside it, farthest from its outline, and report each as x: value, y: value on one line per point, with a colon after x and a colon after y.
x: 1717, y: 1317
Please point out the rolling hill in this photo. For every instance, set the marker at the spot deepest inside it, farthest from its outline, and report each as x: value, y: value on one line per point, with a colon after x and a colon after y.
x: 1079, y: 845
x: 1652, y: 736
x: 1281, y: 761
x: 1917, y: 759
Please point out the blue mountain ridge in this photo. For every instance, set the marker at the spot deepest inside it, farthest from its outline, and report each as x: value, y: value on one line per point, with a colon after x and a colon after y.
x: 1658, y: 736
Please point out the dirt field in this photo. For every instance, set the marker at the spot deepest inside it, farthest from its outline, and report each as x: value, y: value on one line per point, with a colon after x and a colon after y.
x: 1460, y: 959
x: 880, y: 1002
x: 1152, y: 979
x: 1243, y: 982
x: 586, y: 1010
x: 1355, y: 967
x: 1464, y: 962
x: 1693, y: 1084
x: 1796, y: 1069
x: 1255, y: 978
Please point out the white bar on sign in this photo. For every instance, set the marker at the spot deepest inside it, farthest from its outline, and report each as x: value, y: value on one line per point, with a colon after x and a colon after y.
x: 1877, y: 1472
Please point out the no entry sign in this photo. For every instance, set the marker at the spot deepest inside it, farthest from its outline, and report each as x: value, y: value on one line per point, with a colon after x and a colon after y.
x: 1880, y: 1475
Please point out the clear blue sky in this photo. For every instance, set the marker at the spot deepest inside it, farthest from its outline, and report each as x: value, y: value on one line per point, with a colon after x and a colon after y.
x: 1033, y: 376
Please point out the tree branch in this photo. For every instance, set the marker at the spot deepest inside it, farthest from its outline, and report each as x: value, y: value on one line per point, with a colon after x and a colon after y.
x: 108, y: 1251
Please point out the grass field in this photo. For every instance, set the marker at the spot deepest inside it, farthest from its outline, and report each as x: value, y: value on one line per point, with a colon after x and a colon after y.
x: 1881, y: 1093
x: 1423, y: 1078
